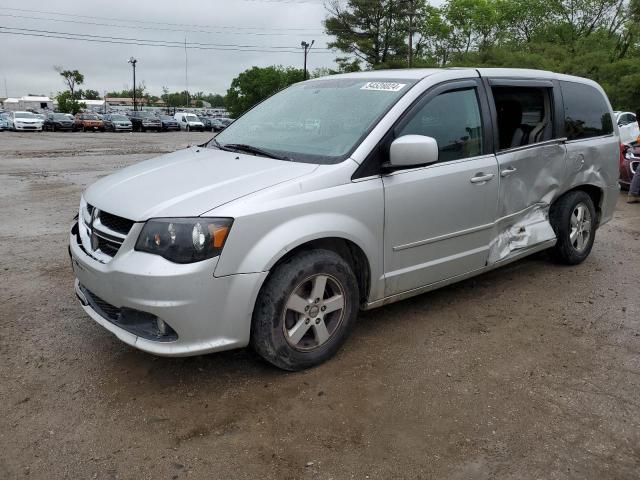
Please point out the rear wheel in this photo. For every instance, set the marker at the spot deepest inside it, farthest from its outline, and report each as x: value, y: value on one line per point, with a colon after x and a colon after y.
x: 573, y: 218
x: 305, y: 311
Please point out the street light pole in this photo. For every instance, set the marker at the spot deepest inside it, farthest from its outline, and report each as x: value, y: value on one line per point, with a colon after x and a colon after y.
x: 412, y: 14
x: 307, y: 47
x: 133, y: 62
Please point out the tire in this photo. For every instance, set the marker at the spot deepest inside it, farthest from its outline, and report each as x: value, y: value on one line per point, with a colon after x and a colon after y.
x: 573, y: 218
x: 320, y: 332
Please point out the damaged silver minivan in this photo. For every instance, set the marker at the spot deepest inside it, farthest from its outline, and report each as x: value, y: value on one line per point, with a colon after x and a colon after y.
x: 344, y: 193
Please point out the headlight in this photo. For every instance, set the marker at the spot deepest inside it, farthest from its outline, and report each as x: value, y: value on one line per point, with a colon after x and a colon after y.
x: 184, y: 240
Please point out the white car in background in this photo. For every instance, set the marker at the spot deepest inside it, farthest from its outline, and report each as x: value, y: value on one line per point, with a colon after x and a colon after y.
x: 189, y: 121
x: 25, y: 121
x: 628, y: 126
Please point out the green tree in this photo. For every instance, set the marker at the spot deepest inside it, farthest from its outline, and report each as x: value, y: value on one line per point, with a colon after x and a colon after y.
x: 68, y: 104
x: 90, y: 94
x: 71, y: 78
x: 375, y: 32
x: 255, y: 84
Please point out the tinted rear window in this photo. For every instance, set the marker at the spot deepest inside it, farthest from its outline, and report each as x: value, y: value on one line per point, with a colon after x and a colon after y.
x: 586, y: 112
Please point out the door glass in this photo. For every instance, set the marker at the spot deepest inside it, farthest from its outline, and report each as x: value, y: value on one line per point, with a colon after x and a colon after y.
x: 453, y: 119
x: 524, y: 115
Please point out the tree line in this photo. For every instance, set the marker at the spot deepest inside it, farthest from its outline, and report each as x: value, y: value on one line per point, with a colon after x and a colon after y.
x: 598, y: 39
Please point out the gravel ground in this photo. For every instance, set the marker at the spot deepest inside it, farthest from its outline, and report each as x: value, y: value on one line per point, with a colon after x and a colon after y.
x: 531, y: 371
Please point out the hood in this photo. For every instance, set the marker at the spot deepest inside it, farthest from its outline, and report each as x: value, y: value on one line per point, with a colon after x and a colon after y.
x: 188, y: 183
x: 28, y: 120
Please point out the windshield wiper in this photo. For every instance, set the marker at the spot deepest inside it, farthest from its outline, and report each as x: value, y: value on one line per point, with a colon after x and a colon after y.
x: 242, y: 147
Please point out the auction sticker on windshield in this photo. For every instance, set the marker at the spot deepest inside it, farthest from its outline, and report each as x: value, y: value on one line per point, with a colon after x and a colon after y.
x: 384, y: 86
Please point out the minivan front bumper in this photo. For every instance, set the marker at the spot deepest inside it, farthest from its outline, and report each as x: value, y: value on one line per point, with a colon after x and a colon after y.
x: 205, y: 313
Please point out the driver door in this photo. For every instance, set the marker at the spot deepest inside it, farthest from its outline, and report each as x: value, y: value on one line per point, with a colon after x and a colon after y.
x: 439, y: 217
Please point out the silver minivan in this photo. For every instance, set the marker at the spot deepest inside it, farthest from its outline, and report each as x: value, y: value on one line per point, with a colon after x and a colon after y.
x: 344, y: 193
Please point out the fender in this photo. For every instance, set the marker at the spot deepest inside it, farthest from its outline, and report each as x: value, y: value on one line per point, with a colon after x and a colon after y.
x: 265, y: 231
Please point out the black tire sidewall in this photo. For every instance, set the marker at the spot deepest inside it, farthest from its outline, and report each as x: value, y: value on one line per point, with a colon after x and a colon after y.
x: 267, y: 336
x: 560, y: 217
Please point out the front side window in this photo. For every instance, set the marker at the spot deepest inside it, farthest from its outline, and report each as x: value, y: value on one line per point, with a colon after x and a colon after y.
x: 321, y: 121
x: 586, y: 112
x: 453, y: 119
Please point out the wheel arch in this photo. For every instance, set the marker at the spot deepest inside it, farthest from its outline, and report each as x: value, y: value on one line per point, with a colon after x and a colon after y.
x: 350, y: 252
x: 596, y: 194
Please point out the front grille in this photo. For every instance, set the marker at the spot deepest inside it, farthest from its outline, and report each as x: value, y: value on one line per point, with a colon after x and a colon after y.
x: 115, y: 223
x: 108, y: 231
x: 108, y: 247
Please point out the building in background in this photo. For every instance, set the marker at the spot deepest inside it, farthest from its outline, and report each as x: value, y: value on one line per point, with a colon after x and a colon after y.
x: 28, y: 102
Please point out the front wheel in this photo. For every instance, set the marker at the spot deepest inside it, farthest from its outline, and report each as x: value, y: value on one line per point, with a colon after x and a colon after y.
x: 573, y: 218
x: 305, y: 310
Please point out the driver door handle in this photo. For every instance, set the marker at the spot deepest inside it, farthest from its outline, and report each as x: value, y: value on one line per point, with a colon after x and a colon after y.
x: 508, y: 171
x: 482, y: 177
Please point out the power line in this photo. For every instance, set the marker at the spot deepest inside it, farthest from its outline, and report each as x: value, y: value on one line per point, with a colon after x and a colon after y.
x: 188, y: 26
x: 138, y: 27
x: 161, y: 43
x: 77, y: 37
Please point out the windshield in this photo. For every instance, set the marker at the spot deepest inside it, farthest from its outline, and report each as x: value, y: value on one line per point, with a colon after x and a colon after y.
x: 119, y: 118
x: 25, y: 115
x: 317, y: 122
x: 60, y: 116
x: 91, y: 117
x: 192, y: 118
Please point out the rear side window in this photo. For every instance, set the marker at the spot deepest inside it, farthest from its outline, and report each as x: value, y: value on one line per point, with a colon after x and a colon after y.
x: 586, y: 112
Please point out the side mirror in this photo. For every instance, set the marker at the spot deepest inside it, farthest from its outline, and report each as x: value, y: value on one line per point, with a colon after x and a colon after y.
x: 413, y: 150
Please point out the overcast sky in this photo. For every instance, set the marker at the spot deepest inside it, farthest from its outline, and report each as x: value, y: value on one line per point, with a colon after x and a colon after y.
x: 27, y: 62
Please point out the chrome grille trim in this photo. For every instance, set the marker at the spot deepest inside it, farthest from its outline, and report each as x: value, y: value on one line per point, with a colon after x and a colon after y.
x: 107, y: 241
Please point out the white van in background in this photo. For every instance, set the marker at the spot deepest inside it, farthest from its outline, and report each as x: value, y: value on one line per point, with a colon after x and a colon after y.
x: 188, y: 121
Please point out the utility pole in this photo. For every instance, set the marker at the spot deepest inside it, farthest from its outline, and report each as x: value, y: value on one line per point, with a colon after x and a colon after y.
x: 133, y: 62
x: 307, y: 47
x: 186, y: 71
x: 412, y: 13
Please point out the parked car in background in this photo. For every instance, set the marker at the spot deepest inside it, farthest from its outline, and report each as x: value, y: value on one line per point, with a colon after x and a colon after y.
x: 277, y: 237
x: 88, y: 122
x: 143, y: 121
x: 25, y: 121
x: 629, y: 164
x: 4, y: 122
x: 189, y: 121
x: 217, y: 125
x: 207, y: 122
x: 58, y: 121
x: 227, y: 121
x: 169, y: 123
x: 114, y: 122
x: 628, y: 126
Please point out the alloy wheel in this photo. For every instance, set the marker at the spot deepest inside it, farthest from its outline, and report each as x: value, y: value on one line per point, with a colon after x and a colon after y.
x: 580, y: 227
x: 313, y: 312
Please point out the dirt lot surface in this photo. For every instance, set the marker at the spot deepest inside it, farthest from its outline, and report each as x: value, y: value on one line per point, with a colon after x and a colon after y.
x: 529, y: 372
